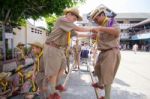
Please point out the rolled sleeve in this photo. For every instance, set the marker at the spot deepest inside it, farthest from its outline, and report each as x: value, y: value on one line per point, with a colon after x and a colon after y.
x: 73, y: 33
x: 67, y: 26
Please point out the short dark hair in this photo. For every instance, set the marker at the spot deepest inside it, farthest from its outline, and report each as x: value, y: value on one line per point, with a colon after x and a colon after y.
x: 72, y: 14
x: 102, y: 13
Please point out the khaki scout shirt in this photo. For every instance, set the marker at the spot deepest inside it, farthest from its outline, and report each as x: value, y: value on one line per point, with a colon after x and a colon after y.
x: 41, y: 64
x: 107, y: 41
x: 59, y: 32
x: 77, y: 49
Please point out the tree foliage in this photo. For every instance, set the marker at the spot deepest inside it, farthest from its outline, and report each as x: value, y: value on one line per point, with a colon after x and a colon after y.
x: 13, y: 11
x: 50, y: 20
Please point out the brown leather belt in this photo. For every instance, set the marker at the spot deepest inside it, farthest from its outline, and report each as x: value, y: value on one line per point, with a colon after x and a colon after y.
x: 53, y: 45
x: 110, y: 49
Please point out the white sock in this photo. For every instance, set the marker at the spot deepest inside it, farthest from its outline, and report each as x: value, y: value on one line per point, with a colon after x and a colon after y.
x: 107, y: 91
x: 51, y: 88
x: 60, y: 81
x: 102, y: 93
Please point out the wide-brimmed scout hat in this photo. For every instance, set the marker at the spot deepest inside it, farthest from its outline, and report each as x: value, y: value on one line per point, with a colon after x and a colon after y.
x: 20, y: 44
x: 4, y: 75
x: 97, y: 11
x: 75, y: 11
x: 37, y: 44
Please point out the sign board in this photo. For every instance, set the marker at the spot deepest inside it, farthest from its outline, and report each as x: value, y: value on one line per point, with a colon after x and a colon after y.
x: 9, y: 35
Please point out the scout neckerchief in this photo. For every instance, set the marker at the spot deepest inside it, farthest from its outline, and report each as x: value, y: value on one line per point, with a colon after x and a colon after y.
x: 38, y: 61
x: 4, y: 84
x: 21, y: 76
x: 34, y: 87
x: 67, y: 52
x: 68, y: 38
x: 103, y: 23
x: 111, y: 22
x: 68, y: 43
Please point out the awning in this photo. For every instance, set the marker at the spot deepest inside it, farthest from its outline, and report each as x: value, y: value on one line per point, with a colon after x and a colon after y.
x: 147, y: 21
x: 140, y: 36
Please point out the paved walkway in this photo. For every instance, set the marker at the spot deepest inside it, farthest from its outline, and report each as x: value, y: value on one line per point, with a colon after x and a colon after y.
x: 132, y: 80
x: 79, y: 85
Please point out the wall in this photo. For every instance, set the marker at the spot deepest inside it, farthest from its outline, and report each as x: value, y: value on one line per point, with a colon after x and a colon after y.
x: 27, y: 35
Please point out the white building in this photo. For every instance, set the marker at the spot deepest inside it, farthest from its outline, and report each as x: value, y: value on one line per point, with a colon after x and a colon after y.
x: 28, y: 34
x: 127, y: 20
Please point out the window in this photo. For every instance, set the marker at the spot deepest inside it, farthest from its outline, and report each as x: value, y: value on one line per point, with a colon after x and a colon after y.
x: 32, y: 29
x: 36, y: 31
x: 40, y: 32
x: 120, y: 21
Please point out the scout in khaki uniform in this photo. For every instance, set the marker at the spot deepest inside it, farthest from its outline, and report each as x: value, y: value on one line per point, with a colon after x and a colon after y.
x: 5, y: 85
x: 29, y: 87
x: 38, y: 71
x: 77, y: 52
x: 19, y: 79
x: 20, y: 54
x: 54, y: 58
x: 108, y: 43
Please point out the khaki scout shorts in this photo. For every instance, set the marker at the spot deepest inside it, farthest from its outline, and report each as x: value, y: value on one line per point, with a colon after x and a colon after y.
x: 54, y: 60
x: 107, y: 65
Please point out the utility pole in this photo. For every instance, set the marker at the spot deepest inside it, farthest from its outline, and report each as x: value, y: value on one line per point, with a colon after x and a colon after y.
x: 26, y: 34
x: 3, y: 39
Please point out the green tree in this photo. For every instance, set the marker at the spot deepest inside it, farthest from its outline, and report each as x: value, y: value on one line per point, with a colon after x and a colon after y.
x: 16, y: 10
x: 13, y: 12
x: 50, y: 20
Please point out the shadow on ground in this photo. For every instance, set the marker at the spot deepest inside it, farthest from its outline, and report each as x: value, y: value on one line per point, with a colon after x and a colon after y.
x: 125, y: 93
x: 122, y: 90
x: 120, y: 82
